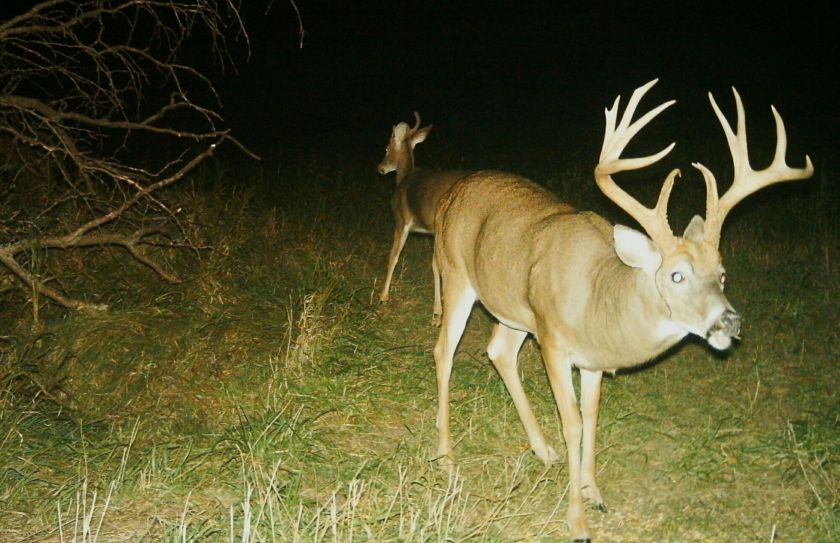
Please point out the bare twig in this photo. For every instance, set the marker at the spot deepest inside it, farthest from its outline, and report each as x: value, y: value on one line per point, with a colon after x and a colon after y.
x: 301, y: 30
x: 83, y: 86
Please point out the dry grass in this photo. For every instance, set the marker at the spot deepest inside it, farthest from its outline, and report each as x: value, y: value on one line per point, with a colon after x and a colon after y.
x: 269, y: 398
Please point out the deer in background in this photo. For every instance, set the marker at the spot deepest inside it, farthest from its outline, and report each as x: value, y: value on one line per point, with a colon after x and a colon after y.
x: 596, y: 297
x: 416, y: 199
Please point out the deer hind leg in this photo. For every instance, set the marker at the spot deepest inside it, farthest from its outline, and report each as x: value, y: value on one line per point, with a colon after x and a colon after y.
x: 459, y: 299
x: 503, y: 351
x: 590, y: 395
x: 400, y: 235
x: 559, y: 368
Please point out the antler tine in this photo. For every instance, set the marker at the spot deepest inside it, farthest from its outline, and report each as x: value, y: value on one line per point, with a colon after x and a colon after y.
x: 653, y: 220
x: 745, y: 180
x: 711, y: 193
x: 621, y: 136
x: 416, y: 123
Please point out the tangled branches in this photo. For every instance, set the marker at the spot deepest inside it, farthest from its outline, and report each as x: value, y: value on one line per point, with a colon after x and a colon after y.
x: 103, y: 104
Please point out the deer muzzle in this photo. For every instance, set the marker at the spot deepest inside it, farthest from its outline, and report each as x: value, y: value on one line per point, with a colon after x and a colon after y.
x: 385, y: 167
x: 727, y: 327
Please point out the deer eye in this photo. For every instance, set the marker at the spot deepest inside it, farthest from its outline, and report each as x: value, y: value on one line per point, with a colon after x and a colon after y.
x: 677, y: 277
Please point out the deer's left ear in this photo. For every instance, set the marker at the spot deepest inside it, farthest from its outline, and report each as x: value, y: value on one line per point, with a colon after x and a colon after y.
x: 696, y: 229
x: 636, y: 249
x: 419, y: 136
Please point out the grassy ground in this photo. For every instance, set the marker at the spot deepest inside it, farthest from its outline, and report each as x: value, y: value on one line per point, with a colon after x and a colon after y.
x: 271, y: 398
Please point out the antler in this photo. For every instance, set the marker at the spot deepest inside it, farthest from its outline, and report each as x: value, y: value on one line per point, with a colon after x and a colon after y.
x: 653, y: 220
x: 403, y: 132
x: 745, y: 180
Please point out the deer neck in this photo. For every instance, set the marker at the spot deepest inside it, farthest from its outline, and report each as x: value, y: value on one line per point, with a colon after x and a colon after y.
x: 405, y: 166
x: 629, y: 316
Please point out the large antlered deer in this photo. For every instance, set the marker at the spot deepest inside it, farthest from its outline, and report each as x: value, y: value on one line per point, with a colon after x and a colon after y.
x: 416, y: 198
x: 595, y: 296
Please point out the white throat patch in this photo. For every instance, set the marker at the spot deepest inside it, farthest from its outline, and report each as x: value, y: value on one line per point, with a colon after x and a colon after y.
x: 669, y: 330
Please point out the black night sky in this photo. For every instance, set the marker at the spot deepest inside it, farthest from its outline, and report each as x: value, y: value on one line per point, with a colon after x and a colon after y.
x: 516, y: 75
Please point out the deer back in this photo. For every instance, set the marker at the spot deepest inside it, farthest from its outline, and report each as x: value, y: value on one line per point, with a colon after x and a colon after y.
x: 422, y: 191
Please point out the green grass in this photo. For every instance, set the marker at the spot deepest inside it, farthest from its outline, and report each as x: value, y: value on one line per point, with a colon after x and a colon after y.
x: 269, y: 397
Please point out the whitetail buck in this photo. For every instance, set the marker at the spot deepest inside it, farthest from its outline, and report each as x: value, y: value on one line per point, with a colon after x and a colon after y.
x: 595, y: 296
x: 416, y: 199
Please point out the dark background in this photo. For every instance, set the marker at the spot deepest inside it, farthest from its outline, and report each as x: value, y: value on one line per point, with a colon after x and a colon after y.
x: 522, y: 79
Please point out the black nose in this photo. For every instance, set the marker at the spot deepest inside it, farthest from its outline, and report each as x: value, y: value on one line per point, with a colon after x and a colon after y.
x: 729, y: 323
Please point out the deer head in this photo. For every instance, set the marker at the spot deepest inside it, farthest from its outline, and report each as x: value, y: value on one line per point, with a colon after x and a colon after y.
x: 399, y: 153
x: 687, y: 269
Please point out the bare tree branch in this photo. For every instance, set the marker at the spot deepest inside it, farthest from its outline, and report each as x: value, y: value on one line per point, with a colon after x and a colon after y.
x: 103, y: 105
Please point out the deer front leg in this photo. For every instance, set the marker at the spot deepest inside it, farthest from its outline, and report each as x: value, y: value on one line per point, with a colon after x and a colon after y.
x: 503, y: 351
x: 559, y: 368
x: 590, y: 395
x: 400, y: 235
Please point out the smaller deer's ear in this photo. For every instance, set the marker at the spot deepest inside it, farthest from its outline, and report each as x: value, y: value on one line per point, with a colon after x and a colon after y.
x: 636, y: 249
x: 419, y: 136
x: 696, y: 229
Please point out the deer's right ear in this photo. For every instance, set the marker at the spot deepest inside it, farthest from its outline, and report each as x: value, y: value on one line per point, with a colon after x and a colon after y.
x: 636, y: 249
x: 399, y: 132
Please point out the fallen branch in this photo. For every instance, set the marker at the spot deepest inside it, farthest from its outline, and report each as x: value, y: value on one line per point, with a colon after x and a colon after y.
x: 85, y: 236
x: 86, y: 85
